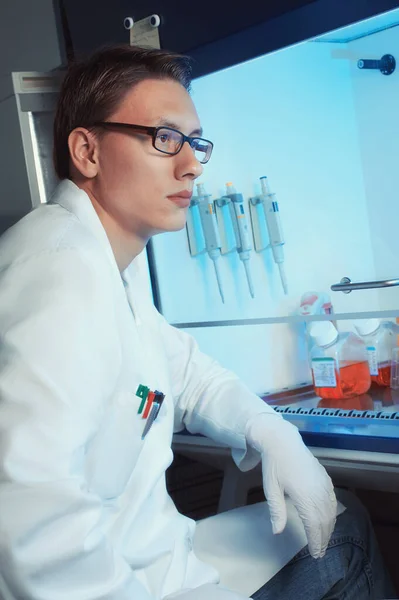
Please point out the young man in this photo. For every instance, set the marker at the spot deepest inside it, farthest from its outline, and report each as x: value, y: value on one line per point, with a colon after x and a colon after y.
x: 84, y: 511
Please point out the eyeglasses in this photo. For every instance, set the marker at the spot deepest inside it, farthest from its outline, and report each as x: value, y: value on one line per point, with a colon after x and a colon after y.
x: 167, y: 140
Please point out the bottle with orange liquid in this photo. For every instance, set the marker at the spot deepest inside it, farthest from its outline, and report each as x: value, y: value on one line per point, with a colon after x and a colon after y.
x: 339, y: 362
x: 380, y: 339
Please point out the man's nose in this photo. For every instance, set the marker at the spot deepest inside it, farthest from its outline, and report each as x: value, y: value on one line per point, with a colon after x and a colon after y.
x: 187, y: 164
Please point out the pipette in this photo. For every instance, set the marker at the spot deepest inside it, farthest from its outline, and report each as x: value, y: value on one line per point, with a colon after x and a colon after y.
x: 273, y: 222
x: 210, y: 231
x: 241, y: 231
x: 196, y: 241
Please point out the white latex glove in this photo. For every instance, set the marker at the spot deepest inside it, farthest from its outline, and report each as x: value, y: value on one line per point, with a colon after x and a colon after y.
x: 288, y: 467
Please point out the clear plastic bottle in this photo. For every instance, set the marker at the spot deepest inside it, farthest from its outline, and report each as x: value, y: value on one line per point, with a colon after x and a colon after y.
x: 339, y: 362
x: 314, y: 303
x: 380, y: 339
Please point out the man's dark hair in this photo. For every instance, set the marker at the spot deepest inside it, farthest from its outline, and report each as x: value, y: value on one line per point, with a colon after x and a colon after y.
x: 94, y: 88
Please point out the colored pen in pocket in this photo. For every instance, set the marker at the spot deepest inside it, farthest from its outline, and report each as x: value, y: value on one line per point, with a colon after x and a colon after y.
x: 155, y: 408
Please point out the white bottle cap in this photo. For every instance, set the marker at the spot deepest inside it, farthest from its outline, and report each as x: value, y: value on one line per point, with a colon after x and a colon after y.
x: 323, y: 332
x: 367, y: 326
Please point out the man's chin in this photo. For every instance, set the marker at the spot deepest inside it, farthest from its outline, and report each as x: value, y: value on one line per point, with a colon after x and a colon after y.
x: 176, y: 224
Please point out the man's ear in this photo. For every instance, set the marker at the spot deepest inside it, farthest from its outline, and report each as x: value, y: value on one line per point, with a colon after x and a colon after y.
x: 83, y: 151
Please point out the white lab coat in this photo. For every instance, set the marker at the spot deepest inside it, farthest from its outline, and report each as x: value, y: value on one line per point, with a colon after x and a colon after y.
x: 84, y: 510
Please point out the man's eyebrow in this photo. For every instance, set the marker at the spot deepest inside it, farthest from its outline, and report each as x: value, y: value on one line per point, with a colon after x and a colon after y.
x: 167, y: 123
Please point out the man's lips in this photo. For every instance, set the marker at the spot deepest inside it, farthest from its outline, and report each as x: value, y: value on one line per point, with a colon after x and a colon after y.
x: 182, y: 199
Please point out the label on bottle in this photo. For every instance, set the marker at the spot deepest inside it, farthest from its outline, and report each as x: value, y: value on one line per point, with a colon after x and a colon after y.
x: 372, y: 358
x: 324, y: 372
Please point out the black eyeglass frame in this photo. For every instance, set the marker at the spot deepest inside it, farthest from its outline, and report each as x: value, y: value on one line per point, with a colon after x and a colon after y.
x: 153, y: 132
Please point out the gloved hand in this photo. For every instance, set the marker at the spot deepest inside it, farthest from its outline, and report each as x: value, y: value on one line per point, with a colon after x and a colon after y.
x: 289, y: 467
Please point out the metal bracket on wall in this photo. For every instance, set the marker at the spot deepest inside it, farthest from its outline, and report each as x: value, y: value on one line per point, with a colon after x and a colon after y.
x: 144, y: 33
x: 386, y: 64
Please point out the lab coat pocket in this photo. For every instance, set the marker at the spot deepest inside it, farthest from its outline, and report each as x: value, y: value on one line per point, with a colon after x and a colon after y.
x: 115, y: 449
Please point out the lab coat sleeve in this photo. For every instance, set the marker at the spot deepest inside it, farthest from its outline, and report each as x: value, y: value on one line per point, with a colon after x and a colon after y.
x: 58, y: 366
x: 209, y: 399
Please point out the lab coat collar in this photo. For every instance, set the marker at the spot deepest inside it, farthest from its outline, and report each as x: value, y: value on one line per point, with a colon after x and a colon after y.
x: 76, y: 201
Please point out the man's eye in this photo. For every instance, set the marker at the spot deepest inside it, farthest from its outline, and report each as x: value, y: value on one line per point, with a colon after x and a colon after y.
x: 164, y: 138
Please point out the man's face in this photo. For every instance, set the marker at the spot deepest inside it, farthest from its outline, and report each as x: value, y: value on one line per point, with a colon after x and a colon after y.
x: 137, y: 185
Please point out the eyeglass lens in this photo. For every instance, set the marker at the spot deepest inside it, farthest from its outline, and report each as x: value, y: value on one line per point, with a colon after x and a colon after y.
x: 171, y: 141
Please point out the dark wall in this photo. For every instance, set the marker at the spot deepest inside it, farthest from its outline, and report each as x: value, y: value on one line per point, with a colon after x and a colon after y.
x: 217, y: 33
x: 185, y: 25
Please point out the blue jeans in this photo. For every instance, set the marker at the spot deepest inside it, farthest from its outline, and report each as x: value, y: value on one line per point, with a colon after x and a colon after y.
x: 352, y: 568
